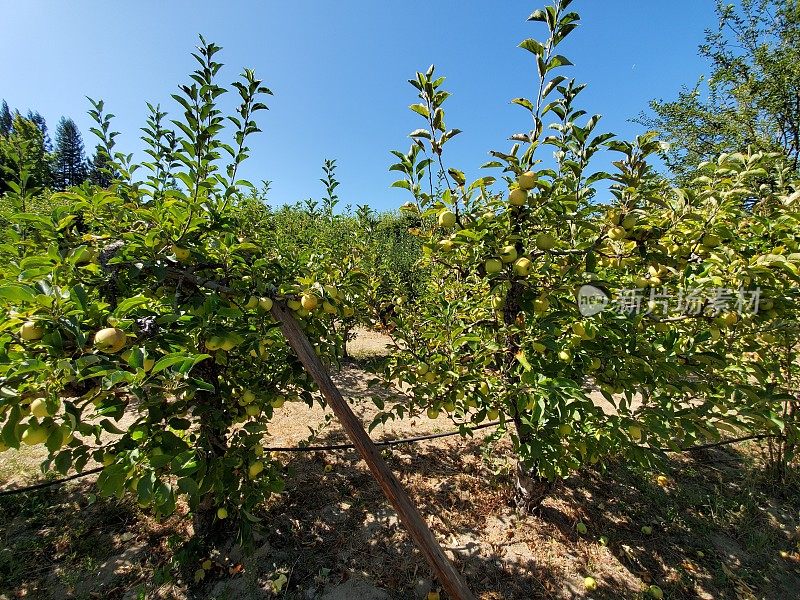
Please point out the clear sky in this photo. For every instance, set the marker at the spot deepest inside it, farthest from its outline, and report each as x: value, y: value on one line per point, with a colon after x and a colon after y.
x: 339, y: 71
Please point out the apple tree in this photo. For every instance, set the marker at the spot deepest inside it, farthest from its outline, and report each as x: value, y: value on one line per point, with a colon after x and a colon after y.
x: 748, y: 203
x: 502, y: 332
x: 135, y: 326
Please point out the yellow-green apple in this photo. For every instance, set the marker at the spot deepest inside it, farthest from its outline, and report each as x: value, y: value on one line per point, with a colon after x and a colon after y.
x: 110, y: 340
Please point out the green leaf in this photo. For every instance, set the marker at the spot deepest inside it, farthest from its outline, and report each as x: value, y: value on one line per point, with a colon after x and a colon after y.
x: 538, y: 15
x: 18, y: 292
x: 168, y: 361
x: 533, y: 46
x: 129, y: 304
x: 111, y: 481
x: 556, y: 62
x: 420, y: 109
x: 523, y: 102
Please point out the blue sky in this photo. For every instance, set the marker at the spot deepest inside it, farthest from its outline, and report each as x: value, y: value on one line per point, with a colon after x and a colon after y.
x: 339, y: 71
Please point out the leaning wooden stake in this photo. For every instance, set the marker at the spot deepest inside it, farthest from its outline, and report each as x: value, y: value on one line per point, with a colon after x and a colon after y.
x: 450, y: 578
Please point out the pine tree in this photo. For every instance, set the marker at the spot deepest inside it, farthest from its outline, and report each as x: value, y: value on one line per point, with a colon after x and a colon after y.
x: 101, y: 168
x: 69, y: 161
x: 42, y: 125
x: 6, y: 120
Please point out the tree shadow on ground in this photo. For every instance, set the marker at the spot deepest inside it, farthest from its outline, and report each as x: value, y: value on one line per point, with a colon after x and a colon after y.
x: 717, y: 532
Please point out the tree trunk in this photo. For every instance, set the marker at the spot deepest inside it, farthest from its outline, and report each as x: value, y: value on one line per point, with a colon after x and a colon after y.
x: 530, y: 489
x: 209, y: 531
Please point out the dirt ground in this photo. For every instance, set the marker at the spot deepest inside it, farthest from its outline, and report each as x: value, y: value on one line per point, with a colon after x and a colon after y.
x: 719, y: 530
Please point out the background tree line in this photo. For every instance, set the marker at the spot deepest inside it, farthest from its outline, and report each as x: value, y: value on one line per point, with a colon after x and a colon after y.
x: 25, y: 145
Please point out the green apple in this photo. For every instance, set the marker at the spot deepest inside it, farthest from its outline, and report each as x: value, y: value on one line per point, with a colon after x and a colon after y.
x: 252, y: 410
x: 522, y: 267
x: 230, y: 341
x: 309, y: 301
x: 630, y: 221
x: 182, y: 254
x: 433, y: 413
x: 255, y: 469
x: 617, y: 233
x: 647, y: 530
x: 590, y: 583
x: 508, y: 254
x: 110, y: 340
x: 730, y: 319
x: 655, y: 592
x: 447, y: 219
x: 565, y: 356
x: 581, y: 528
x: 541, y: 306
x: 35, y: 434
x: 493, y: 414
x: 546, y: 241
x: 518, y: 197
x: 214, y: 343
x: 527, y: 181
x: 265, y: 304
x: 222, y: 512
x: 493, y: 266
x: 447, y: 245
x: 39, y: 408
x: 31, y: 331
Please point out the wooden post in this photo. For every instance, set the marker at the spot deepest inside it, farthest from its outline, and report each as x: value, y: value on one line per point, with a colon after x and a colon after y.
x: 450, y: 578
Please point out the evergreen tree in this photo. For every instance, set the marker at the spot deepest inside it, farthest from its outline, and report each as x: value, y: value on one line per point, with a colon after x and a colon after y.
x: 6, y: 120
x: 101, y: 168
x: 35, y: 117
x: 69, y: 161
